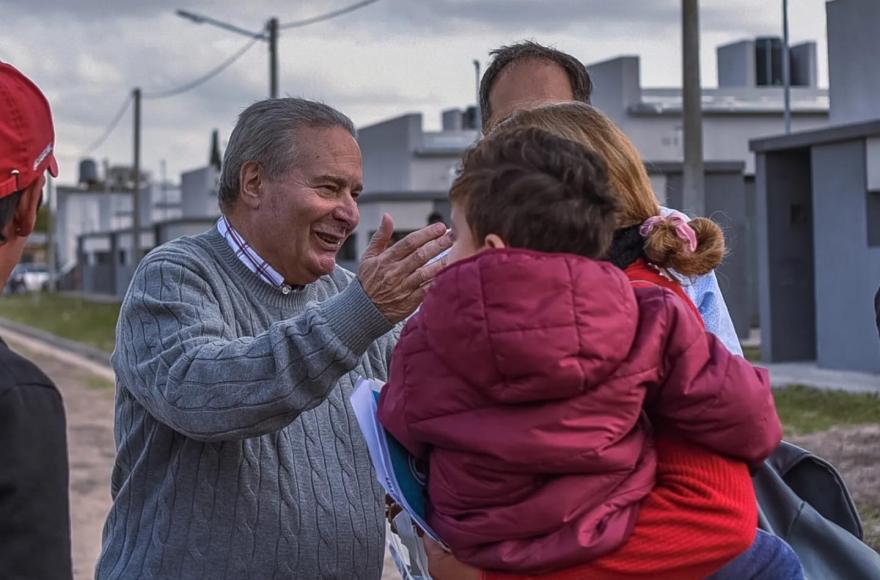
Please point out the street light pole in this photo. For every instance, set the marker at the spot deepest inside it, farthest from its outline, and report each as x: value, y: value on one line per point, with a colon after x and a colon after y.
x: 693, y: 187
x: 270, y: 32
x: 786, y: 69
x: 477, y: 91
x: 272, y: 27
x: 136, y: 191
x: 51, y: 207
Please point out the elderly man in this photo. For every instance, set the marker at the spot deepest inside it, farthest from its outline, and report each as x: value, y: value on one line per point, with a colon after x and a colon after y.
x: 238, y: 455
x: 526, y: 75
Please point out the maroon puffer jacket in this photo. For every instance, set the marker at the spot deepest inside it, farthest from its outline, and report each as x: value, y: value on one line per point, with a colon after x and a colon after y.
x: 526, y: 377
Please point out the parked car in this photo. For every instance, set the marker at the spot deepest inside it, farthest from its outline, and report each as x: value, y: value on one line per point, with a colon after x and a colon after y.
x: 28, y: 278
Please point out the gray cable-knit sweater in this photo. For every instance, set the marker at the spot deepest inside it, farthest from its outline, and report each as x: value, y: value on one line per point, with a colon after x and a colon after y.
x: 238, y: 455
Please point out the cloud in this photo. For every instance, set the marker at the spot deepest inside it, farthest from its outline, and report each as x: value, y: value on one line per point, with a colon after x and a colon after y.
x: 391, y: 57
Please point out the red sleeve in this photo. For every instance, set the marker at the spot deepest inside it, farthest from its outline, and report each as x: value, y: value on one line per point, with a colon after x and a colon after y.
x: 701, y: 515
x: 707, y: 394
x: 392, y: 400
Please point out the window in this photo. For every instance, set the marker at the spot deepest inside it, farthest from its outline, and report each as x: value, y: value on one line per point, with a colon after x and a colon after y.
x: 101, y: 258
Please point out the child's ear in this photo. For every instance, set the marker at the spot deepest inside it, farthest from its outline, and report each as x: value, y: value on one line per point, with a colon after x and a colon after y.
x: 494, y: 242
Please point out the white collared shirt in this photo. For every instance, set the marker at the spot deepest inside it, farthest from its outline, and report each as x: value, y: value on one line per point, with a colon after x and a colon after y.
x: 246, y: 254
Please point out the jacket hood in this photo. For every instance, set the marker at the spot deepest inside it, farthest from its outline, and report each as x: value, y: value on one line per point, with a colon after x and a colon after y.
x: 551, y: 326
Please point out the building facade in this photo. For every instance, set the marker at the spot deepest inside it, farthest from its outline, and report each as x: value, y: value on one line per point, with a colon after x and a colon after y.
x: 818, y: 206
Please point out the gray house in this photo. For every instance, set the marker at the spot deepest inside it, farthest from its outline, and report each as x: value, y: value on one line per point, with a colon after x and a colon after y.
x: 818, y: 206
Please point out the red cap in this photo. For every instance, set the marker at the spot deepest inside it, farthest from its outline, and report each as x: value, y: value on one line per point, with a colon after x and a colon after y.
x: 27, y: 137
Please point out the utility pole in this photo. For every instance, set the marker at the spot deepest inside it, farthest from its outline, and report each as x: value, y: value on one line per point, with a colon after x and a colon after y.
x: 270, y: 32
x: 164, y: 190
x: 693, y: 194
x: 477, y: 92
x: 50, y: 233
x: 786, y: 69
x: 136, y: 190
x: 272, y: 25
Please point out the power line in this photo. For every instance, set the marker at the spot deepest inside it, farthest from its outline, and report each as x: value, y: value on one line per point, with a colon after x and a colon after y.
x: 218, y: 69
x: 328, y: 15
x: 118, y: 117
x: 204, y: 78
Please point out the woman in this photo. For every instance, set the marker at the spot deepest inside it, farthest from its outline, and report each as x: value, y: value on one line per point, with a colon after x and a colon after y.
x: 702, y: 513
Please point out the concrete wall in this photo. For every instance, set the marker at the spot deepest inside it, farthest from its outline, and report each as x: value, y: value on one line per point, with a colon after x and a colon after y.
x: 752, y: 236
x: 407, y: 215
x: 725, y: 137
x: 83, y: 212
x: 804, y: 65
x: 198, y: 192
x: 726, y: 133
x: 616, y: 85
x: 853, y: 48
x: 387, y: 149
x: 736, y: 64
x: 847, y: 269
x: 786, y: 288
x: 434, y: 173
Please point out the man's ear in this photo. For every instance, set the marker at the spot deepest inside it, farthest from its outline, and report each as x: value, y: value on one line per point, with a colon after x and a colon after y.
x: 494, y: 242
x: 250, y: 178
x: 26, y: 211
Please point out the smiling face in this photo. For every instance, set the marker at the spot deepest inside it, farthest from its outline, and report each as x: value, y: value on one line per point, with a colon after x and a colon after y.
x: 305, y: 216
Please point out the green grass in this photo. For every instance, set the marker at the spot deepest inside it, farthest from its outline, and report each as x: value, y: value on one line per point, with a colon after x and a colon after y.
x: 752, y: 353
x: 870, y: 515
x: 99, y: 383
x: 804, y: 410
x: 74, y: 318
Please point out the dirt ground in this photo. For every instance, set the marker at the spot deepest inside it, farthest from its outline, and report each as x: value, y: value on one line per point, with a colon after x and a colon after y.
x: 855, y: 452
x: 89, y: 400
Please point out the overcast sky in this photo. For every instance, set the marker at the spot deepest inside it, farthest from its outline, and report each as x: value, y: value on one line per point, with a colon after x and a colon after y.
x: 389, y: 58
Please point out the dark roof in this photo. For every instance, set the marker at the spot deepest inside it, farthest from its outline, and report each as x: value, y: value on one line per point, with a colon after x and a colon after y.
x: 803, y: 139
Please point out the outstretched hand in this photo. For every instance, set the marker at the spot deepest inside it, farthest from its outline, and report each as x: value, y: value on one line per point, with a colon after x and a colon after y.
x: 396, y: 278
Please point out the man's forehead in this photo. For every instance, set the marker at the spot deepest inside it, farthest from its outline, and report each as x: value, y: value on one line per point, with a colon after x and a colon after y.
x: 534, y: 75
x: 527, y: 84
x: 328, y: 150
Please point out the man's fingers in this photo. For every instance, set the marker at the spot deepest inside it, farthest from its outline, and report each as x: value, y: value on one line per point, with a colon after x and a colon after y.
x: 426, y: 253
x: 381, y: 239
x: 414, y: 241
x: 425, y: 275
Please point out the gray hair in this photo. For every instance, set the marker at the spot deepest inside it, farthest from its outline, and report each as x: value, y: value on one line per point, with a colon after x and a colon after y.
x: 266, y: 133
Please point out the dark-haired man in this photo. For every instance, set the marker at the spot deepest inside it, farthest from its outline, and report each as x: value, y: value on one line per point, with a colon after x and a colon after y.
x: 526, y: 75
x: 34, y: 505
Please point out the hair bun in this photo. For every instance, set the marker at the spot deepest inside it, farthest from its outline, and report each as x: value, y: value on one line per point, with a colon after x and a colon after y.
x: 666, y: 249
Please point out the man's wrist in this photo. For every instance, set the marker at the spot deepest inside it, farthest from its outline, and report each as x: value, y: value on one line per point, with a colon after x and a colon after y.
x: 354, y: 318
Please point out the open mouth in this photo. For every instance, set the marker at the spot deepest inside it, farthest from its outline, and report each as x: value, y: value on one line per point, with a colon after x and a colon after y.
x: 331, y: 241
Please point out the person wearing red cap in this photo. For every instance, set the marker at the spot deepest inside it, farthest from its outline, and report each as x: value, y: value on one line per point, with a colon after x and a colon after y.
x: 34, y: 505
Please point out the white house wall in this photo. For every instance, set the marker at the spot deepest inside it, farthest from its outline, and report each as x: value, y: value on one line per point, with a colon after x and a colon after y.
x: 725, y: 138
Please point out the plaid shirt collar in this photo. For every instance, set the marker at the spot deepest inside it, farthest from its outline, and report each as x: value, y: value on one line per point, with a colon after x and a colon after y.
x: 246, y: 254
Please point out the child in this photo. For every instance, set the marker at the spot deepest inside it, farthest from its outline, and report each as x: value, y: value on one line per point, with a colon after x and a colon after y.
x: 529, y: 374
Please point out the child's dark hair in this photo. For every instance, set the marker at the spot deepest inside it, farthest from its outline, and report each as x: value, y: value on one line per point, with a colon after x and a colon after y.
x: 537, y: 191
